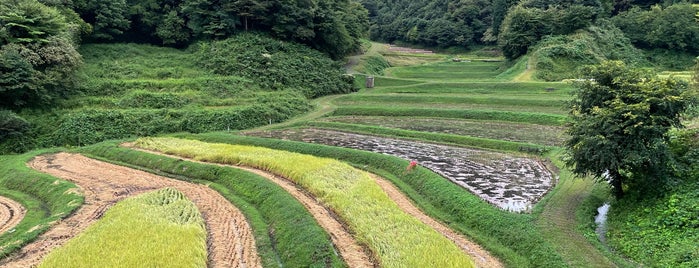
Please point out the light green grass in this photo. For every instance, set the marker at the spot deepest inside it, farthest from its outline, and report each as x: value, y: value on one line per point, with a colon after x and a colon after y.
x: 397, y: 239
x: 448, y: 71
x: 156, y: 229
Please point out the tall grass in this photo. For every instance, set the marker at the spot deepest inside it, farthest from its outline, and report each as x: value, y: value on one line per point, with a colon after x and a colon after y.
x: 46, y: 198
x: 156, y: 229
x: 286, y: 235
x: 397, y: 239
x: 513, y: 238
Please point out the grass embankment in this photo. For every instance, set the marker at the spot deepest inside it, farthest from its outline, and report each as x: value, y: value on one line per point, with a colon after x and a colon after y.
x: 433, y: 137
x: 449, y: 71
x: 496, y: 130
x: 487, y: 115
x: 514, y: 238
x: 47, y: 199
x: 159, y: 228
x: 285, y: 232
x: 397, y: 239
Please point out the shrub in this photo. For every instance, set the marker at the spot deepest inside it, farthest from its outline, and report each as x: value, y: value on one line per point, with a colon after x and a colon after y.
x: 275, y: 64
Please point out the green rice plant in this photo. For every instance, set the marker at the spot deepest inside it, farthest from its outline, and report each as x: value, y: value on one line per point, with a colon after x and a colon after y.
x: 46, y: 198
x: 522, y: 117
x: 156, y: 229
x: 286, y: 234
x: 397, y: 239
x: 513, y: 238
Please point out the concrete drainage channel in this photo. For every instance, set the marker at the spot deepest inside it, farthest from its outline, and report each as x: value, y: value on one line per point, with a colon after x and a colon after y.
x: 510, y: 183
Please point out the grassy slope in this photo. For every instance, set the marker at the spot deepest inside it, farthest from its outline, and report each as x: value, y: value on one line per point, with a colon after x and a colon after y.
x: 159, y: 228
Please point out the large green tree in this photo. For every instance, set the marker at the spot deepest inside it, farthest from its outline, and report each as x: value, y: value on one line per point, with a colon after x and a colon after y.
x: 619, y: 120
x: 37, y: 53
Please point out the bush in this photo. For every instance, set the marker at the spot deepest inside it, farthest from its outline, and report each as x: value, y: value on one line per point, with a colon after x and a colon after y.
x: 275, y: 64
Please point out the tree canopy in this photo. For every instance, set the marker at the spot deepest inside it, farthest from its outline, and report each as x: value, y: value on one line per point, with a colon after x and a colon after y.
x: 619, y: 120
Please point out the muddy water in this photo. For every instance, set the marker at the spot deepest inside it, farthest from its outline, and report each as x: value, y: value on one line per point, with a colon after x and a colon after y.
x: 511, y: 183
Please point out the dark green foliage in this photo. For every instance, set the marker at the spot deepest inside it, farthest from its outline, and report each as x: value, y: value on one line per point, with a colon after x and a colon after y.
x: 286, y: 234
x: 331, y: 26
x: 275, y: 64
x: 560, y: 57
x: 673, y: 27
x: 12, y: 125
x: 46, y: 199
x: 530, y: 21
x: 619, y: 123
x: 431, y: 23
x: 37, y: 54
x: 660, y: 232
x: 513, y: 238
x: 28, y: 21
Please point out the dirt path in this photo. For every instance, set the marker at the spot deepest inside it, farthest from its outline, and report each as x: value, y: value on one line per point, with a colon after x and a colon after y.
x: 230, y: 241
x: 480, y: 256
x: 558, y: 224
x: 351, y: 252
x: 11, y: 213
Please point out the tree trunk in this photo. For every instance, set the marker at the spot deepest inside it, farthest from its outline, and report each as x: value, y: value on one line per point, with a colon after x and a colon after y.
x: 616, y: 181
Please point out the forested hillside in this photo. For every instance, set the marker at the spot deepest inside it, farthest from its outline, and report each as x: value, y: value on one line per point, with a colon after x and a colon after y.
x: 68, y: 78
x: 666, y: 31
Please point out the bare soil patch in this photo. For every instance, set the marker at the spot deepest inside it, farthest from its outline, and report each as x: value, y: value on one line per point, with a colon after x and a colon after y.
x: 11, y: 214
x: 229, y: 240
x: 354, y: 254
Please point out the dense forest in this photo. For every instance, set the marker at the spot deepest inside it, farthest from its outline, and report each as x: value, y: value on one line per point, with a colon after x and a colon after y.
x: 517, y: 26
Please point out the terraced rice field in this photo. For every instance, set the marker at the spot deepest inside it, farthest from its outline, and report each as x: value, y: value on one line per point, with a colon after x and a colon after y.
x: 511, y: 183
x: 298, y: 210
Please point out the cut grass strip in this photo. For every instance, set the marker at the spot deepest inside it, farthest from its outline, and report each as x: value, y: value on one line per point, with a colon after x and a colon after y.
x: 491, y: 115
x: 156, y: 229
x: 397, y: 239
x: 46, y: 198
x: 513, y: 238
x: 433, y: 137
x: 286, y: 235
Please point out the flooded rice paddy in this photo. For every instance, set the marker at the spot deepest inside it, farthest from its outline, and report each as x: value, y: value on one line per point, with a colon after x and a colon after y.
x: 508, y: 182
